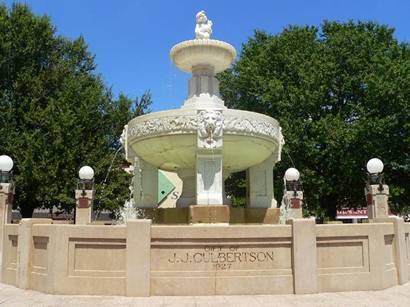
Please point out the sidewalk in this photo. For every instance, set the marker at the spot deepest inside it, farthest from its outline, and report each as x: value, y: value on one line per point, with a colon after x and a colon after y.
x: 397, y: 296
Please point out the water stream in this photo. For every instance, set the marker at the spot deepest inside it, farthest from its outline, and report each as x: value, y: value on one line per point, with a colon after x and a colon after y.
x: 106, y: 177
x: 109, y: 169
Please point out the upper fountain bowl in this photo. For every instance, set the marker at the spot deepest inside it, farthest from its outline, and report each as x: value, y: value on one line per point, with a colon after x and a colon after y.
x: 203, y: 52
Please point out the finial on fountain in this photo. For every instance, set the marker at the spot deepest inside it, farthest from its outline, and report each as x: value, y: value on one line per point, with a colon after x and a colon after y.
x: 203, y: 28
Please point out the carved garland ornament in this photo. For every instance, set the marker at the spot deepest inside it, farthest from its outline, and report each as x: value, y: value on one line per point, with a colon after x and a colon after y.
x: 247, y: 126
x: 165, y: 125
x: 189, y: 124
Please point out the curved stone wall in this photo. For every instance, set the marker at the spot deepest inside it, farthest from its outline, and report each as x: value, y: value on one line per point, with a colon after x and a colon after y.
x: 140, y: 259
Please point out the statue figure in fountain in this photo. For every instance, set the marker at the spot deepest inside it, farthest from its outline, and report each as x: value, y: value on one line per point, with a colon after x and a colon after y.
x: 203, y: 29
x: 210, y: 126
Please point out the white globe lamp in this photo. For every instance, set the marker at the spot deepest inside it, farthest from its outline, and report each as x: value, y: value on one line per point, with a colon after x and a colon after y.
x: 86, y: 173
x: 375, y: 166
x: 292, y: 174
x: 6, y: 163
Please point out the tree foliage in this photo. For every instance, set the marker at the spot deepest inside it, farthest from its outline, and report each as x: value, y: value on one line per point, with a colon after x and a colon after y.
x: 57, y: 115
x: 341, y: 93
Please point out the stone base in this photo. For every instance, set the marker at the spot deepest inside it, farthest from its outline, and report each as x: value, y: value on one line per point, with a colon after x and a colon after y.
x: 141, y: 259
x: 255, y: 215
x: 262, y: 215
x: 165, y: 215
x: 211, y: 215
x: 379, y: 220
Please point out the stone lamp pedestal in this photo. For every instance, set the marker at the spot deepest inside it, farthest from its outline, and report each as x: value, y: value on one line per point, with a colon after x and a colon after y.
x: 84, y: 206
x: 291, y: 207
x: 6, y: 206
x: 6, y: 202
x: 377, y: 201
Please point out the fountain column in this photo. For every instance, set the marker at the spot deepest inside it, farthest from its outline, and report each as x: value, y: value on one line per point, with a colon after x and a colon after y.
x: 188, y: 195
x: 227, y: 201
x: 209, y: 175
x: 203, y: 89
x: 145, y: 184
x: 260, y: 185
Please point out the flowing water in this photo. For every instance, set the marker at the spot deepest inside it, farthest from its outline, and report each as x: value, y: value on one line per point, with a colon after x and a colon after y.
x: 106, y: 176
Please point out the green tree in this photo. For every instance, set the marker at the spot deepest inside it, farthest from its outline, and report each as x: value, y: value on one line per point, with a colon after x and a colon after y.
x: 341, y: 93
x: 56, y: 115
x: 112, y: 188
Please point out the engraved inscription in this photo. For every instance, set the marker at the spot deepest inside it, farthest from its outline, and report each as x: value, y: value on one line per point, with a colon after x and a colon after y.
x: 221, y: 257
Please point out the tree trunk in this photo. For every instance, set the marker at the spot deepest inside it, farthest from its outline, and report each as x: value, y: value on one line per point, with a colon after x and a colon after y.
x: 330, y: 205
x: 27, y: 211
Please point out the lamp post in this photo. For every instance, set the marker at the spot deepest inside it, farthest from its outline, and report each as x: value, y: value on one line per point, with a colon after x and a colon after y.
x: 6, y: 165
x: 292, y: 176
x: 292, y: 200
x: 377, y: 193
x: 84, y: 195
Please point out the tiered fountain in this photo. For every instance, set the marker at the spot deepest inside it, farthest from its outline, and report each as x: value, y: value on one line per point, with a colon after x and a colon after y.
x: 204, y: 141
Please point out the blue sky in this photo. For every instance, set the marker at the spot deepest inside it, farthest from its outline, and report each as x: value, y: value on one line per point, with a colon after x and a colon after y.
x: 131, y: 39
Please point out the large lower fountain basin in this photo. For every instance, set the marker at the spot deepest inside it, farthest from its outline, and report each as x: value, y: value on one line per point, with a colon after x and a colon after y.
x: 168, y: 139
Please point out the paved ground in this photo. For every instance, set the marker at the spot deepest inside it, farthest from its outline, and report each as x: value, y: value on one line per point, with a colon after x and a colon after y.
x: 398, y: 296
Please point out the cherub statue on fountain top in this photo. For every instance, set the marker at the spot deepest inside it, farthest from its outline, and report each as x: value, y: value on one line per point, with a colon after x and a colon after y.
x: 203, y: 28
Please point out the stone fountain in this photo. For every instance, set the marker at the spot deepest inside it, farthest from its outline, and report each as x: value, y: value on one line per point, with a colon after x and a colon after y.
x: 203, y: 141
